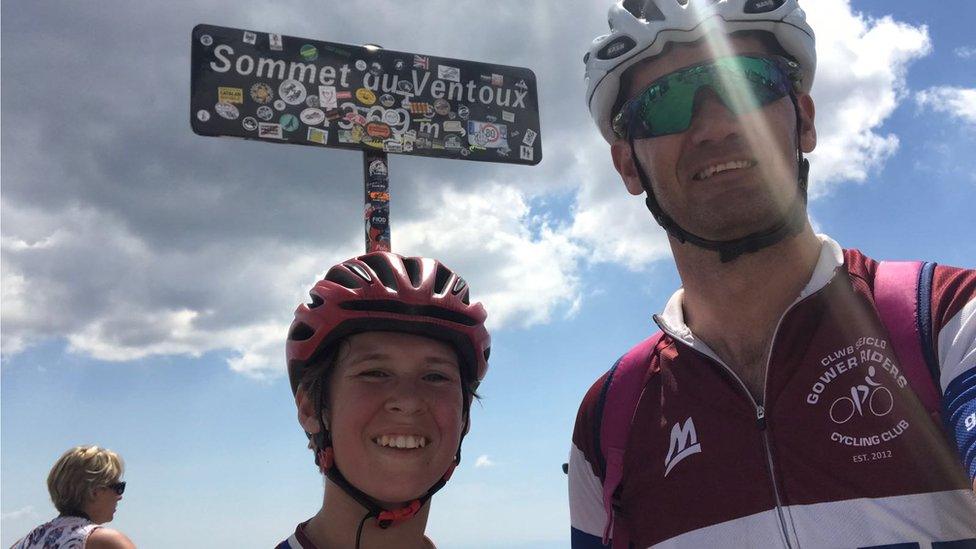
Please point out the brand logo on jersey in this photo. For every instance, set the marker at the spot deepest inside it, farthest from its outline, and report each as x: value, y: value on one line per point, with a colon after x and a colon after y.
x: 684, y: 442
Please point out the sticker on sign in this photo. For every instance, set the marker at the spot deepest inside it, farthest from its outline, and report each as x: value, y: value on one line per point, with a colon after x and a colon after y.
x: 262, y: 85
x: 489, y: 135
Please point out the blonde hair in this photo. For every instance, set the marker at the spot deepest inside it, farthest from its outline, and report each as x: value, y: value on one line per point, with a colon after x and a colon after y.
x: 78, y: 472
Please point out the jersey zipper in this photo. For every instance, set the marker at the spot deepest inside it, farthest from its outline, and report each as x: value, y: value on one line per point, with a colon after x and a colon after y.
x: 760, y: 410
x: 761, y: 424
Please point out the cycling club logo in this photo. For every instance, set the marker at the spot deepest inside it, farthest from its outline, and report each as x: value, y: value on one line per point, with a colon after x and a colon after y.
x: 868, y: 397
x: 865, y: 370
x: 684, y: 442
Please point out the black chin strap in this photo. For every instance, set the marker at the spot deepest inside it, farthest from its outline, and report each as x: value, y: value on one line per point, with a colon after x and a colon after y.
x: 385, y: 518
x: 790, y: 224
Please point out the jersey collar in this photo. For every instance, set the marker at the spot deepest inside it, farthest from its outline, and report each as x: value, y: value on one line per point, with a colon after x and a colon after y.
x: 672, y: 320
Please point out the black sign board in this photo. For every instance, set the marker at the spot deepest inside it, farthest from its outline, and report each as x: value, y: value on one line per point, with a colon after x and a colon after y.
x: 295, y: 90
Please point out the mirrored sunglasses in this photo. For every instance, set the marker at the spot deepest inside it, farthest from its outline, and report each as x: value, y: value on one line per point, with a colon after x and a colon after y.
x: 743, y: 83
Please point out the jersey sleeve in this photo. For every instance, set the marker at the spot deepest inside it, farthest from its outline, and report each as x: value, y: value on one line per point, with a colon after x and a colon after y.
x: 587, y: 515
x: 954, y: 323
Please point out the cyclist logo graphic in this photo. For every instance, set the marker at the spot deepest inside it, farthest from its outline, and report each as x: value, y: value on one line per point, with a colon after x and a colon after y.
x: 871, y: 397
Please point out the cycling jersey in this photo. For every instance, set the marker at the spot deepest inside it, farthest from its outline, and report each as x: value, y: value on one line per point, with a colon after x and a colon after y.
x: 839, y: 452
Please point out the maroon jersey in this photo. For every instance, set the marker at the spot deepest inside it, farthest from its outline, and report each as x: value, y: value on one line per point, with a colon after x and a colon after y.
x: 838, y: 452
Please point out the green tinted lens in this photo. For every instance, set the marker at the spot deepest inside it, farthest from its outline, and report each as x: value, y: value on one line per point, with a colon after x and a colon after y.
x: 747, y: 83
x: 666, y: 106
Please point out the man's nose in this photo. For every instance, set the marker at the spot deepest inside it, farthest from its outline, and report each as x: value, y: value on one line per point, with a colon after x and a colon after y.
x: 711, y: 120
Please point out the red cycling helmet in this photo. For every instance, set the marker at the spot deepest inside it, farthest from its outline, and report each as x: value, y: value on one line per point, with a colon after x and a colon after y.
x: 383, y: 291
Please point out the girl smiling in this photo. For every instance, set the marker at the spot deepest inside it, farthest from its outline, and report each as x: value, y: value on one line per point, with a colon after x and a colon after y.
x: 384, y: 363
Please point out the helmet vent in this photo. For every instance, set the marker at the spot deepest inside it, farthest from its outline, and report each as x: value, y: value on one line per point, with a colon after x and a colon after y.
x: 441, y: 278
x: 645, y: 10
x: 300, y: 332
x: 316, y: 301
x: 417, y: 311
x: 382, y: 268
x: 344, y: 278
x: 652, y: 12
x: 412, y: 265
x: 459, y: 285
x: 464, y: 297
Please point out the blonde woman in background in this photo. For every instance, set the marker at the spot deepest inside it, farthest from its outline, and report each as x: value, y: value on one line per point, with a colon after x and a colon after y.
x: 85, y: 485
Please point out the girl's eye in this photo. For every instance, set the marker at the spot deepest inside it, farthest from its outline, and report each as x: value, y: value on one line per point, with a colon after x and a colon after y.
x: 436, y: 377
x: 373, y: 373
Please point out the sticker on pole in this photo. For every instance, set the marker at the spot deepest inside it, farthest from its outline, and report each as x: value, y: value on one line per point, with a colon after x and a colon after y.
x: 325, y: 94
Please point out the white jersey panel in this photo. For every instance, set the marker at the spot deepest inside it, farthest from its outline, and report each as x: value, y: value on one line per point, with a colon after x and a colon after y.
x: 918, y: 518
x: 957, y: 345
x: 585, y: 496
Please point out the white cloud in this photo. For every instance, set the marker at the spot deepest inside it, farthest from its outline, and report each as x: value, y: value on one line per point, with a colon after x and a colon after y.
x: 206, y: 245
x: 861, y: 67
x: 965, y: 52
x: 613, y: 225
x: 483, y: 461
x: 519, y: 264
x: 22, y: 513
x: 958, y: 102
x: 115, y: 298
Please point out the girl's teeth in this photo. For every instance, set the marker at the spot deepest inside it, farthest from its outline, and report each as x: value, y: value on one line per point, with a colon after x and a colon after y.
x: 401, y: 441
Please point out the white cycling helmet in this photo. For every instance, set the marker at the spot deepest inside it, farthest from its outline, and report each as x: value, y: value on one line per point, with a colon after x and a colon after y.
x: 640, y: 29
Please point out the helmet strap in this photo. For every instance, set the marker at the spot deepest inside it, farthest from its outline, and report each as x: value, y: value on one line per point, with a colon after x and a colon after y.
x: 385, y: 518
x: 791, y: 223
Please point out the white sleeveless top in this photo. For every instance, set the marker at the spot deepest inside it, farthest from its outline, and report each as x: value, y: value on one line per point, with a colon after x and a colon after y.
x: 61, y: 533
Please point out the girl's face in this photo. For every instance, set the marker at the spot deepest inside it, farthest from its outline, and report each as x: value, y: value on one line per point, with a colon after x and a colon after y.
x: 395, y: 413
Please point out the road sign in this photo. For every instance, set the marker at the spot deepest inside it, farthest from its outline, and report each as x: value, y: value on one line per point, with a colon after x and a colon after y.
x: 284, y: 89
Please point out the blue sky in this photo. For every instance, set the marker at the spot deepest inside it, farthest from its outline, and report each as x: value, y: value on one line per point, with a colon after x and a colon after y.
x: 149, y: 274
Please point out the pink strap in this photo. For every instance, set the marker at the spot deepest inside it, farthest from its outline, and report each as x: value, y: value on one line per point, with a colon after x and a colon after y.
x: 896, y: 297
x: 619, y: 406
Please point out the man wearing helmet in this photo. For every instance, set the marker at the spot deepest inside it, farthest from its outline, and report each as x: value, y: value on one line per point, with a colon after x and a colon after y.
x: 773, y: 409
x: 384, y: 363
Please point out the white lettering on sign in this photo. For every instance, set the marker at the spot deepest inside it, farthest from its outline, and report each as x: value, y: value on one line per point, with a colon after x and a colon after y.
x: 325, y: 75
x: 277, y: 68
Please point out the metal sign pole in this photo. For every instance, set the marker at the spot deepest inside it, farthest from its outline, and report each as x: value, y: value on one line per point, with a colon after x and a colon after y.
x: 377, y: 211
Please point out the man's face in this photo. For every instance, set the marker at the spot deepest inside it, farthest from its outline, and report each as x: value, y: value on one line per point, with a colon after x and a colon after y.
x: 727, y: 175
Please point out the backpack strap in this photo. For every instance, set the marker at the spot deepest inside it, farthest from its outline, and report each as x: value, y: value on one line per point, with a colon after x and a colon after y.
x: 618, y: 402
x: 903, y: 296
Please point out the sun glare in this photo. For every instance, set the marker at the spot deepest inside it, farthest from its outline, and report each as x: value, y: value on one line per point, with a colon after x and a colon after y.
x: 758, y: 131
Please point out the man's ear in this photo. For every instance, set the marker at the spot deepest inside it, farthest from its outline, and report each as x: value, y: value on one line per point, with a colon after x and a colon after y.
x: 307, y: 416
x: 808, y: 130
x: 623, y: 161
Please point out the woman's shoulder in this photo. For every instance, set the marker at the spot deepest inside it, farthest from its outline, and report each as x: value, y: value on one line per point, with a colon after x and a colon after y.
x: 62, y: 529
x: 107, y: 538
